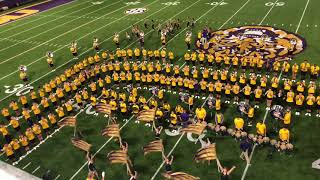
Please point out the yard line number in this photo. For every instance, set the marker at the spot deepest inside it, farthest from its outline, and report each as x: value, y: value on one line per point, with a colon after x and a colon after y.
x: 217, y: 3
x: 275, y: 4
x: 173, y: 3
x: 316, y: 164
x: 18, y: 89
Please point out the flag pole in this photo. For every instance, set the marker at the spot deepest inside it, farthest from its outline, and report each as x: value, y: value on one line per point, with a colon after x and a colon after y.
x: 74, y: 130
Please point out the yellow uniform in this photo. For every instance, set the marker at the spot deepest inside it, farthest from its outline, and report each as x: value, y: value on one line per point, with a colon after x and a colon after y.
x: 238, y: 122
x: 261, y: 129
x: 284, y: 134
x: 44, y: 123
x: 8, y: 150
x: 201, y: 113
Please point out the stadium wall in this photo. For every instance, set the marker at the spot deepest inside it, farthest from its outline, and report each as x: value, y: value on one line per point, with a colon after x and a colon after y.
x: 9, y: 172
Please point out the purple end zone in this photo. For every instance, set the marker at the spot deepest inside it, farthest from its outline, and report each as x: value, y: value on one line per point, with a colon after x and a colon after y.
x: 10, y: 17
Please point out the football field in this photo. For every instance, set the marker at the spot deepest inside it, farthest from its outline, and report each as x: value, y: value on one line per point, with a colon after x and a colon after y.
x: 26, y: 41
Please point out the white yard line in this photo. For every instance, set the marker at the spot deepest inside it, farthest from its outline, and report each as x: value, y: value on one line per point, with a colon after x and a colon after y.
x: 85, y: 17
x: 168, y: 20
x: 28, y: 22
x: 53, y: 20
x: 30, y: 42
x: 82, y: 52
x: 234, y: 14
x: 77, y: 172
x: 57, y: 177
x: 254, y: 146
x: 224, y: 22
x: 35, y: 147
x: 60, y: 25
x: 169, y: 154
x: 35, y: 170
x: 43, y: 141
x: 196, y: 20
x: 26, y: 165
x: 161, y: 165
x: 304, y: 11
x: 274, y: 3
x: 247, y: 166
x: 174, y: 147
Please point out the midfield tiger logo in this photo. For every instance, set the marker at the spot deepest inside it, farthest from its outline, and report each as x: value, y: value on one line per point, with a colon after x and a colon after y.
x: 265, y: 41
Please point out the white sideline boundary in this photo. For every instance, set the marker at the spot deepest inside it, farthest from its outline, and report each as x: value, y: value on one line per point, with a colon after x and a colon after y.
x: 60, y: 25
x: 84, y: 51
x: 161, y: 165
x: 174, y: 147
x: 77, y: 172
x: 33, y: 15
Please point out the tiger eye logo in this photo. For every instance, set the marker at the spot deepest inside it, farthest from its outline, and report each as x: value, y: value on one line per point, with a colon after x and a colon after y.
x: 264, y: 41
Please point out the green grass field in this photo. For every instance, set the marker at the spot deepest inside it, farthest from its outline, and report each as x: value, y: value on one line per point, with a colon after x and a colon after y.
x: 27, y: 40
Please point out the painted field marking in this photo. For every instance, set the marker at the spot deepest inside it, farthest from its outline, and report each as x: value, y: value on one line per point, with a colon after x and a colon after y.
x: 235, y: 14
x: 28, y: 29
x: 60, y: 25
x: 26, y: 165
x: 167, y: 20
x: 35, y: 170
x: 174, y: 147
x: 29, y: 42
x: 35, y: 147
x: 57, y: 177
x: 302, y: 16
x: 195, y: 21
x: 226, y: 21
x: 28, y: 22
x: 82, y: 52
x: 77, y: 172
x: 169, y: 154
x: 254, y: 146
x: 273, y: 5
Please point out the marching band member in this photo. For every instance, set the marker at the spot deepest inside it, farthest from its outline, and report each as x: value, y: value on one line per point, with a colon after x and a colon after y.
x: 74, y: 49
x: 50, y: 59
x: 284, y: 135
x: 188, y: 39
x: 95, y: 44
x: 23, y: 73
x: 116, y: 40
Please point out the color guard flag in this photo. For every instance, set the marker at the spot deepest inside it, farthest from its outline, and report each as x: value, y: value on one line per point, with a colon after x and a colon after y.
x: 147, y: 115
x: 154, y: 146
x: 179, y: 175
x: 206, y: 154
x: 197, y: 128
x: 103, y: 108
x: 111, y: 131
x: 118, y: 157
x: 68, y: 121
x: 81, y: 144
